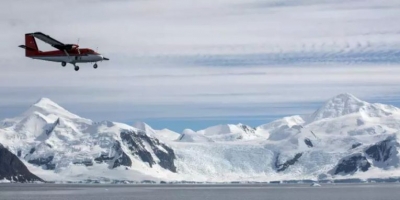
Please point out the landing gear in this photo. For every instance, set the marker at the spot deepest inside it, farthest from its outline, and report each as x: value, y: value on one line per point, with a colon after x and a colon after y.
x: 76, y: 68
x: 63, y: 64
x: 95, y: 66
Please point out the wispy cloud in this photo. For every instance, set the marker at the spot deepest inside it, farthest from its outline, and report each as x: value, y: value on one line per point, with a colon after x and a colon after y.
x: 205, y: 59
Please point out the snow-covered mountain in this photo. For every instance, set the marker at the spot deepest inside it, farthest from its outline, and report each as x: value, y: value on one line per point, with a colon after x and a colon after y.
x: 220, y: 133
x: 164, y: 134
x: 345, y: 138
x: 59, y: 145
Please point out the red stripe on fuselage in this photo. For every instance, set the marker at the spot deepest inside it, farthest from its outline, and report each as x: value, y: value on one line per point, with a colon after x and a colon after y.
x: 73, y: 52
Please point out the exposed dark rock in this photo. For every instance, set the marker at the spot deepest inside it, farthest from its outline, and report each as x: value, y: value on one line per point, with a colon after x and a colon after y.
x: 314, y: 134
x: 123, y: 159
x: 120, y: 158
x: 32, y: 150
x: 46, y: 162
x: 84, y: 162
x: 166, y: 158
x: 351, y: 164
x: 384, y: 153
x: 381, y: 151
x: 287, y: 164
x: 356, y: 145
x: 308, y: 142
x: 12, y: 169
x: 181, y: 137
x: 103, y: 158
x: 247, y: 129
x: 50, y: 128
x: 134, y: 141
x: 19, y: 153
x: 136, y: 147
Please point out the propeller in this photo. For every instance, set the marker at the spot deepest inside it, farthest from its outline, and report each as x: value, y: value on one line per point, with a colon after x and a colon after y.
x: 79, y: 52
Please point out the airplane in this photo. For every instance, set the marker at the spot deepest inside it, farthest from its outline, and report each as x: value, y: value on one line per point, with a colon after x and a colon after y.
x: 66, y: 53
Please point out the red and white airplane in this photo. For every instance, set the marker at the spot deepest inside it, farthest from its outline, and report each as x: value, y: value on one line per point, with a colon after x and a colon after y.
x: 66, y: 53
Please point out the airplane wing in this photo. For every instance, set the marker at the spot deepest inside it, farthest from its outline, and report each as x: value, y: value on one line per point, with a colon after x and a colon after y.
x: 53, y: 42
x: 45, y: 38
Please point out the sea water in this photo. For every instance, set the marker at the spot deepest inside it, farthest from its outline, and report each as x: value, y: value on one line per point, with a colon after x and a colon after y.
x: 387, y: 191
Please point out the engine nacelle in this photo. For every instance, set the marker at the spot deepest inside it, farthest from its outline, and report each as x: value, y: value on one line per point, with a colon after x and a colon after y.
x: 70, y: 47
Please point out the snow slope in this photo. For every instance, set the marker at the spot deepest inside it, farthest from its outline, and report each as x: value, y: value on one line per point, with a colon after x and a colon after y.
x: 60, y: 145
x: 345, y: 138
x: 295, y: 147
x: 164, y: 134
x: 229, y: 132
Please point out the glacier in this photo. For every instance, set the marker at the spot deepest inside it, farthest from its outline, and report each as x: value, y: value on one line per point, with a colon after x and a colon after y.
x: 346, y: 138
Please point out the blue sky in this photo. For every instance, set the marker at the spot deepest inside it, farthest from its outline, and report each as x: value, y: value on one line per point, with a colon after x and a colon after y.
x: 178, y: 64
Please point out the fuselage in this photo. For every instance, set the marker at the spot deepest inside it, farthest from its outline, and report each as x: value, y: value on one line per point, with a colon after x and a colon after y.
x: 73, y: 56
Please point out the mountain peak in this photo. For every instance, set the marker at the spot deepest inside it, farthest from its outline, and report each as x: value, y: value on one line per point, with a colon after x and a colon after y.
x: 46, y: 103
x: 337, y: 106
x: 144, y: 127
x: 46, y: 107
x: 346, y: 97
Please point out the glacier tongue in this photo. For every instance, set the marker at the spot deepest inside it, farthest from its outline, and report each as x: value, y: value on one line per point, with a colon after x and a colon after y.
x: 345, y: 138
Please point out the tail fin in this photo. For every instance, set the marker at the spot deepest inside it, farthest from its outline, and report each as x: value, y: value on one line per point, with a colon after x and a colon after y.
x: 30, y: 45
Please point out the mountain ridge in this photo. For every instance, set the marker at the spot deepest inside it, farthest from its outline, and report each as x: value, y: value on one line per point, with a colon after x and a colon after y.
x: 324, y: 145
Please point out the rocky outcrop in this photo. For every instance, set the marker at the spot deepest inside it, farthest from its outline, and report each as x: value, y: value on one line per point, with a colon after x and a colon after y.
x: 351, y: 164
x: 46, y: 162
x: 122, y: 159
x: 384, y: 153
x: 287, y: 164
x: 12, y: 169
x: 308, y: 142
x: 86, y: 162
x: 247, y: 129
x: 355, y: 145
x: 118, y: 159
x: 135, y: 142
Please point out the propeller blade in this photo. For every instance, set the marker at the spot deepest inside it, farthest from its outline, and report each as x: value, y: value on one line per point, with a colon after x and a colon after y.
x: 79, y: 52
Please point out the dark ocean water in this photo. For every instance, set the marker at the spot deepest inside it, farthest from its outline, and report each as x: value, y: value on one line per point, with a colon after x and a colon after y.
x: 200, y: 192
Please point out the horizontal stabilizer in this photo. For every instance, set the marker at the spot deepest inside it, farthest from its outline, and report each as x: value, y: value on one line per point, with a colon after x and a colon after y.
x: 27, y: 48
